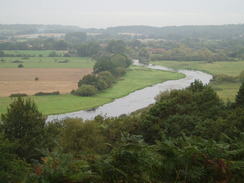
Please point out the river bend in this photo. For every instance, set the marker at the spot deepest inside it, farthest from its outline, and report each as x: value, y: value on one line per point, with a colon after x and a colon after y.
x: 138, y: 99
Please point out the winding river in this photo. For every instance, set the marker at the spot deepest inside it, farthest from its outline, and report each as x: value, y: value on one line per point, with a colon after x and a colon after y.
x: 138, y: 99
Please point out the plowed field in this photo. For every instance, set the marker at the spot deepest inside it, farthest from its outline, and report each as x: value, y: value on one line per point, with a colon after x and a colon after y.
x: 22, y: 80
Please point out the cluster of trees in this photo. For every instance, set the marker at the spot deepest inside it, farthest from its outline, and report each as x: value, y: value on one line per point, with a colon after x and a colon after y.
x: 105, y: 71
x: 189, y: 135
x: 224, y: 78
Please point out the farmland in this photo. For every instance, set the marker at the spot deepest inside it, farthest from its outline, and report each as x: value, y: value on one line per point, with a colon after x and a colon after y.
x: 68, y: 103
x: 33, y: 80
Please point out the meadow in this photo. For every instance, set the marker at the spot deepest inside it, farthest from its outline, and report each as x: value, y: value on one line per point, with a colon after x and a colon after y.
x: 136, y: 78
x: 46, y: 62
x: 227, y: 91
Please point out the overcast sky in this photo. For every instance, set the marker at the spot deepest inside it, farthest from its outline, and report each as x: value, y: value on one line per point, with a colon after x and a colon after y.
x: 110, y: 13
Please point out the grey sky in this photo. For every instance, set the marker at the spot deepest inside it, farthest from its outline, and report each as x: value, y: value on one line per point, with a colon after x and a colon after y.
x: 108, y: 13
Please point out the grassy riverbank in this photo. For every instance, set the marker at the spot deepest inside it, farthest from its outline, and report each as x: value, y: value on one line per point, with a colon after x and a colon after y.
x: 136, y: 78
x: 227, y: 91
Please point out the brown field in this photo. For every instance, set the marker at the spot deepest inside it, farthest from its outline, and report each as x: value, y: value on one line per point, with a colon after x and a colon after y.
x: 16, y: 80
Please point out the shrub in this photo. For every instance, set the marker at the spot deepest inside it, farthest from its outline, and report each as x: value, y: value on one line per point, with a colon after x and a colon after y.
x: 121, y: 71
x: 53, y: 54
x: 17, y: 61
x: 18, y: 95
x: 47, y: 93
x: 86, y: 90
x: 20, y: 66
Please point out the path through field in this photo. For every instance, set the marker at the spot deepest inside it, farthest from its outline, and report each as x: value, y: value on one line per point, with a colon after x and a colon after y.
x: 22, y: 80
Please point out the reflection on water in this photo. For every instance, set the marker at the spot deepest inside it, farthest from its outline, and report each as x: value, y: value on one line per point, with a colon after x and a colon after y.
x: 138, y: 99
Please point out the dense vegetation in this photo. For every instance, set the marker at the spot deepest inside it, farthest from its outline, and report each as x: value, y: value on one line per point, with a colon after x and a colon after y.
x: 189, y: 135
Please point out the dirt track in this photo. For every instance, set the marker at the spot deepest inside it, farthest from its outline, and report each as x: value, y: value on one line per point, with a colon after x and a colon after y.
x: 22, y: 80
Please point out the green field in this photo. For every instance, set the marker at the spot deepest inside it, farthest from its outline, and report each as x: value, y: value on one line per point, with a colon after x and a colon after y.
x: 47, y: 62
x: 233, y: 68
x: 136, y: 78
x: 35, y: 53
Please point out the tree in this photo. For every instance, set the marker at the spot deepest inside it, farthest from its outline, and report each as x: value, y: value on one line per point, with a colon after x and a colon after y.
x: 120, y: 60
x: 86, y: 90
x: 88, y: 79
x: 12, y: 169
x: 76, y: 37
x: 104, y: 65
x: 240, y: 96
x: 24, y: 125
x: 116, y: 46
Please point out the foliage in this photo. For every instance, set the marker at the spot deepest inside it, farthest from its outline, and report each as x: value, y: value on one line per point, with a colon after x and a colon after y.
x: 88, y: 79
x: 60, y: 167
x: 88, y: 49
x: 116, y: 47
x: 53, y: 54
x: 240, y: 96
x: 47, y: 93
x: 78, y: 137
x: 12, y: 168
x: 18, y: 95
x: 223, y: 78
x: 86, y: 90
x: 20, y: 66
x: 24, y: 125
x: 120, y: 60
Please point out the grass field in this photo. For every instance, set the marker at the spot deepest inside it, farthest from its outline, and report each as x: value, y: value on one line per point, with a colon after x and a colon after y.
x: 35, y: 53
x: 135, y: 79
x: 233, y: 68
x: 47, y: 62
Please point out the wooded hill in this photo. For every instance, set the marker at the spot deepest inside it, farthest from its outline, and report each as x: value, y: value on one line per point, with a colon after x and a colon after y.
x: 169, y: 32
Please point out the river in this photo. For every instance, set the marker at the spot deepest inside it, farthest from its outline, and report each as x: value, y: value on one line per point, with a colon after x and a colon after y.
x: 138, y: 99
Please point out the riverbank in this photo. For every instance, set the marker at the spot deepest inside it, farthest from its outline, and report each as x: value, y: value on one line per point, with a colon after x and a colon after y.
x: 135, y: 79
x: 226, y: 91
x: 138, y: 99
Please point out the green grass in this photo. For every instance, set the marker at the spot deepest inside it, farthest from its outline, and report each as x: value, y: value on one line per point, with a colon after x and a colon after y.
x: 226, y: 91
x: 232, y: 68
x: 36, y: 53
x: 47, y: 62
x: 135, y: 79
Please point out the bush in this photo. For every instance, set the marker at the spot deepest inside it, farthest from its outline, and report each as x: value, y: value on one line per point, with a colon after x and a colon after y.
x: 20, y: 66
x: 53, y: 54
x: 121, y: 71
x: 47, y: 93
x: 18, y: 95
x: 17, y: 61
x: 86, y: 90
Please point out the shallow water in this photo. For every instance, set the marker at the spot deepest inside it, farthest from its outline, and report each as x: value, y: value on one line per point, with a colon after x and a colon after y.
x: 138, y: 99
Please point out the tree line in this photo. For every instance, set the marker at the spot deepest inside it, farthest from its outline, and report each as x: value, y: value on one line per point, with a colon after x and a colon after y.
x: 188, y: 135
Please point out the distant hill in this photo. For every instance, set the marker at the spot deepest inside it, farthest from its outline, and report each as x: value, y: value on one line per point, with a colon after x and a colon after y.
x: 217, y: 32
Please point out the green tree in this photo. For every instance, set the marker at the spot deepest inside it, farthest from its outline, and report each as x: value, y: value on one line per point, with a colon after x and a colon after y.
x: 116, y: 47
x: 104, y: 65
x: 12, y: 169
x: 24, y: 125
x: 86, y: 90
x: 120, y: 60
x: 88, y: 79
x: 240, y: 96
